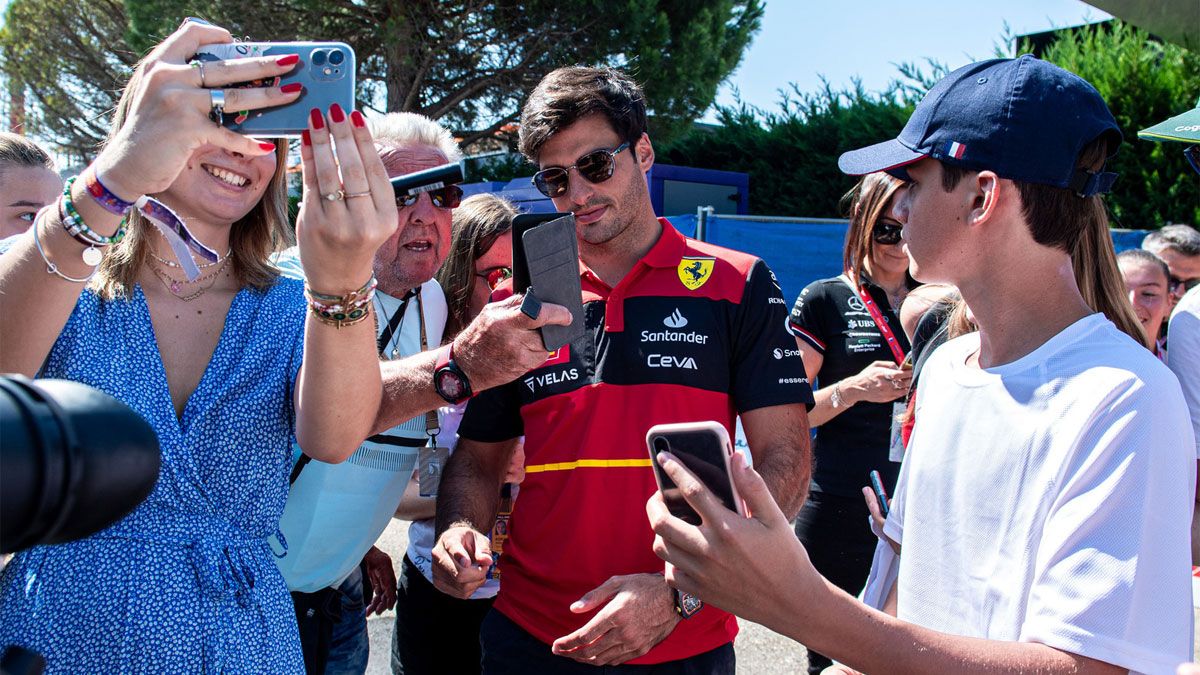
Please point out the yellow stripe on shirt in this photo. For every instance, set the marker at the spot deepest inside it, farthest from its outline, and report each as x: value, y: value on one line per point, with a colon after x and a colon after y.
x: 588, y: 464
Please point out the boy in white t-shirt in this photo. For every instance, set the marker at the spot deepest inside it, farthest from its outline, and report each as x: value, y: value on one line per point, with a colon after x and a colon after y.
x: 1044, y: 505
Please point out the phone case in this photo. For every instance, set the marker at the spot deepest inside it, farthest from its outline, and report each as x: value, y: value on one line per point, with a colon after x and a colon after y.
x: 683, y: 433
x: 551, y: 256
x: 522, y: 223
x: 326, y: 69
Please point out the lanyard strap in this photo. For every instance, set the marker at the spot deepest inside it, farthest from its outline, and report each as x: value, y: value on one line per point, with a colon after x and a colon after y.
x: 889, y: 336
x: 395, y: 321
x: 432, y: 425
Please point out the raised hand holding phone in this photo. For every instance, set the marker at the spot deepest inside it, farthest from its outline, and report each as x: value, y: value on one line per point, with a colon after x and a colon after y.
x: 704, y: 448
x: 323, y: 75
x: 169, y: 116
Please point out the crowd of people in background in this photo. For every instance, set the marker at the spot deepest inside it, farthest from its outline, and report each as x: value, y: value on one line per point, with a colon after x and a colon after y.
x: 1029, y: 398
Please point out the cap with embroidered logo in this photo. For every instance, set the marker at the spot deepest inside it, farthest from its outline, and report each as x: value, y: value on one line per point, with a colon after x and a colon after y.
x: 1025, y: 119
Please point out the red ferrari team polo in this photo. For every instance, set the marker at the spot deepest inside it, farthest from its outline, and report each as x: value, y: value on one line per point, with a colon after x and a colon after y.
x: 694, y: 332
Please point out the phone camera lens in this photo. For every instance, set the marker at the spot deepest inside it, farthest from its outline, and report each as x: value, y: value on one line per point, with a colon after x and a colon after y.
x: 318, y: 57
x: 336, y: 58
x: 661, y: 445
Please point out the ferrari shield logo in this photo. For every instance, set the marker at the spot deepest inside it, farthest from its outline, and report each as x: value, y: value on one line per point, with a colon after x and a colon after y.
x: 694, y: 272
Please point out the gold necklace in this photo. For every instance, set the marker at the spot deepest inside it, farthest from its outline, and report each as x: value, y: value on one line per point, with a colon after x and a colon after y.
x: 172, y: 263
x: 177, y: 287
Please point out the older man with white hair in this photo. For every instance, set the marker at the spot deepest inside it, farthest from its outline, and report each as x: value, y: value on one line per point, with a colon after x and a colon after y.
x: 336, y: 512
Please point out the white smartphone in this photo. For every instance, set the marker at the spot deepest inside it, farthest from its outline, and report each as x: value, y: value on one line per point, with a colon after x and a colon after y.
x: 326, y: 70
x: 705, y: 449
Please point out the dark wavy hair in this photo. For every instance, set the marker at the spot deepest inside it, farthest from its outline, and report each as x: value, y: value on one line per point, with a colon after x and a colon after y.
x: 569, y: 94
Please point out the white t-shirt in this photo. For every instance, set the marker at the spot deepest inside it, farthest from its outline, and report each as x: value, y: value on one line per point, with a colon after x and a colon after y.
x: 1049, y: 500
x: 1184, y: 357
x: 336, y: 512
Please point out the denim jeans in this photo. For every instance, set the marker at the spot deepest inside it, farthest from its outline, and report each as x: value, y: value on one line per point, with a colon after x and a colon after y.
x: 350, y: 644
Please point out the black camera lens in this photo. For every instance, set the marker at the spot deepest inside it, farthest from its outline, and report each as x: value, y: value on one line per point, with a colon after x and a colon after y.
x: 336, y: 57
x: 318, y: 57
x: 661, y: 445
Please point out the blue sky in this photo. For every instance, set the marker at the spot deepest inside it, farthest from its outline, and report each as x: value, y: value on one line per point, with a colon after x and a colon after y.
x: 801, y: 40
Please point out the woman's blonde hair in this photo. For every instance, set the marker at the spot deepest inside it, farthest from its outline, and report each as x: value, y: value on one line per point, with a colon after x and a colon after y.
x: 260, y: 232
x: 478, y: 222
x: 864, y: 204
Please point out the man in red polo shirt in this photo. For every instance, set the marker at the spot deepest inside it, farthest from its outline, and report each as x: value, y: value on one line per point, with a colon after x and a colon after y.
x: 677, y: 331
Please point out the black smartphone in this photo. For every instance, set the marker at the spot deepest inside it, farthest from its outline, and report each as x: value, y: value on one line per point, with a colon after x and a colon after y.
x: 880, y: 494
x: 326, y: 69
x: 704, y: 448
x: 521, y: 224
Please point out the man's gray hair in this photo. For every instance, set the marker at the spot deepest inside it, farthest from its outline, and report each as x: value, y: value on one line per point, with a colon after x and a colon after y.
x: 405, y: 130
x: 1182, y: 238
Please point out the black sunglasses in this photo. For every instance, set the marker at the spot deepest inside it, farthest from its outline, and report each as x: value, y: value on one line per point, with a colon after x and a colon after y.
x: 595, y: 167
x: 1175, y: 284
x: 887, y: 232
x: 447, y: 197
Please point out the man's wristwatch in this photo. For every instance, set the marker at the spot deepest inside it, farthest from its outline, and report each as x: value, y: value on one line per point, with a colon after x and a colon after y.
x: 686, y: 604
x: 449, y: 380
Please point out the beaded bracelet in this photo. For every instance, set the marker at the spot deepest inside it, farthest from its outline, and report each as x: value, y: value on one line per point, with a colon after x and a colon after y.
x: 342, y: 310
x: 78, y: 229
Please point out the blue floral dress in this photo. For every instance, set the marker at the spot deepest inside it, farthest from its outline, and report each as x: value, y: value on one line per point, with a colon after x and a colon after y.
x: 186, y: 583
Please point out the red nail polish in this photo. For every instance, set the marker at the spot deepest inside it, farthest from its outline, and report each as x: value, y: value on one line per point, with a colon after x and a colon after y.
x: 289, y: 60
x: 315, y: 117
x: 305, y: 138
x: 267, y: 146
x: 336, y: 114
x: 291, y: 88
x: 357, y: 119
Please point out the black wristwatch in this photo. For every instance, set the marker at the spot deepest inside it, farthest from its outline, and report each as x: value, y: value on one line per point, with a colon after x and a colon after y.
x: 449, y: 380
x: 686, y: 604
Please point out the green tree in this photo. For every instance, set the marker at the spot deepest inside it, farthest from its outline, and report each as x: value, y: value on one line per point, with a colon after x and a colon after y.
x: 469, y: 63
x: 790, y: 153
x: 72, y: 59
x: 1144, y: 82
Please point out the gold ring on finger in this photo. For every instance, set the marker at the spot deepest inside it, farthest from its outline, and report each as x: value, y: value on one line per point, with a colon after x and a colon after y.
x: 348, y: 195
x: 334, y: 196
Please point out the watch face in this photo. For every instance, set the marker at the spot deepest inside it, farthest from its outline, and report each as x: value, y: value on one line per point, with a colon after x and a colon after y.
x: 691, y: 604
x: 450, y: 384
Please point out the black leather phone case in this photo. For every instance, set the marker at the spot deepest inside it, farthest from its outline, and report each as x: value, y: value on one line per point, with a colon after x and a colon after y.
x: 549, y: 260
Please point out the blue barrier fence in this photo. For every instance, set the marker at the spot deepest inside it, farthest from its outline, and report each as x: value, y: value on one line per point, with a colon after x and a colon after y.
x: 800, y: 251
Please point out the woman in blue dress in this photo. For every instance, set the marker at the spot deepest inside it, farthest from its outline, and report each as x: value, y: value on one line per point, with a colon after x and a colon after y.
x: 228, y: 367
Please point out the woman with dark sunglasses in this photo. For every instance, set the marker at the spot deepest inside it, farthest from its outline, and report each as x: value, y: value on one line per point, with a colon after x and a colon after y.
x: 480, y: 257
x: 854, y: 352
x: 437, y: 633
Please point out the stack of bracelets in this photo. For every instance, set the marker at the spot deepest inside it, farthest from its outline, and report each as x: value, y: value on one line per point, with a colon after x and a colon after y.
x: 73, y: 223
x: 342, y: 310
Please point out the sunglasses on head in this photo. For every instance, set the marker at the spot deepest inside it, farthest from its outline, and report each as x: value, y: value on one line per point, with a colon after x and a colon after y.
x: 444, y: 198
x: 887, y: 232
x: 595, y: 167
x: 494, y: 275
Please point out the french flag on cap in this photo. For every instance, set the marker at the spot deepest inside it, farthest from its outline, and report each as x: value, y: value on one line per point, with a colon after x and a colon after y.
x: 955, y: 150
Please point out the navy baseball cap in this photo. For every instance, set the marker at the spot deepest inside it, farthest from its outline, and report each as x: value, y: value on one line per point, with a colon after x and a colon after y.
x: 1023, y: 118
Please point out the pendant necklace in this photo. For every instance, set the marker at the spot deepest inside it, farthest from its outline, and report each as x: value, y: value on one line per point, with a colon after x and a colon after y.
x: 390, y: 336
x: 179, y: 288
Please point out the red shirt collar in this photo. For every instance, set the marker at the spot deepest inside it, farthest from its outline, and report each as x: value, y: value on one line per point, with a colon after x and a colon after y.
x: 666, y: 252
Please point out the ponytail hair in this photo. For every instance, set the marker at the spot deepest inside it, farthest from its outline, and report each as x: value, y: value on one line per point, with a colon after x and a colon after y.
x: 1061, y: 219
